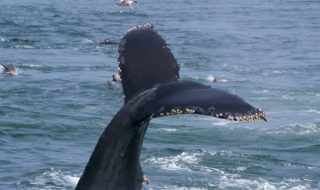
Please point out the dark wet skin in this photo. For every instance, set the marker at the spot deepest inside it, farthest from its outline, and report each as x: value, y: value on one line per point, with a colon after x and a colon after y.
x: 150, y: 81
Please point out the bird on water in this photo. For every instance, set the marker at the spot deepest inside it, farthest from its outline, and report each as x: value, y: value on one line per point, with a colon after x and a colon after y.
x: 127, y: 3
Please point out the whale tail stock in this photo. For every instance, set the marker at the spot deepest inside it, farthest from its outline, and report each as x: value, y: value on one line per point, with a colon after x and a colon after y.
x: 149, y: 74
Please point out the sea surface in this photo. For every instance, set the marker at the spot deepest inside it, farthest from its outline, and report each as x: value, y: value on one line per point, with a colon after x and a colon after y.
x: 53, y: 112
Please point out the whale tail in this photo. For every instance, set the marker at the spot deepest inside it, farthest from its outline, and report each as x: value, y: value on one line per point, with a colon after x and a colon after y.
x: 150, y: 74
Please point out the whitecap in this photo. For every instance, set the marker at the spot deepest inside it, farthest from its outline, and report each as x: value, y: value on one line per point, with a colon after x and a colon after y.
x: 169, y: 129
x: 277, y: 72
x: 87, y: 41
x: 55, y: 178
x: 174, y: 163
x: 297, y: 129
x: 210, y: 78
x: 32, y: 65
x: 240, y: 168
x: 313, y: 111
x: 234, y: 181
x: 173, y: 187
x: 182, y: 188
x: 221, y: 122
x: 24, y: 46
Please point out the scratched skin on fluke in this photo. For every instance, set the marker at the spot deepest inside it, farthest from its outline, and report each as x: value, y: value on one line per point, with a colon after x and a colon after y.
x: 150, y: 81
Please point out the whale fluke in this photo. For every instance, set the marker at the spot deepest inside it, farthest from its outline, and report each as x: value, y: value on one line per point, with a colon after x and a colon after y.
x: 149, y: 74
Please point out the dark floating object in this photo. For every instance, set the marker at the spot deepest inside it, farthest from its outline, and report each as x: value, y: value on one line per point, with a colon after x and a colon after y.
x: 109, y: 42
x: 17, y: 40
x: 115, y: 78
x: 10, y: 68
x: 150, y: 74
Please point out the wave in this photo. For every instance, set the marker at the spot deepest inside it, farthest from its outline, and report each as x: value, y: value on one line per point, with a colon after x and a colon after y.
x: 231, y: 181
x: 178, y: 162
x: 23, y: 47
x: 192, y: 162
x: 221, y: 122
x: 54, y: 178
x: 296, y: 129
x: 313, y: 111
x: 87, y: 41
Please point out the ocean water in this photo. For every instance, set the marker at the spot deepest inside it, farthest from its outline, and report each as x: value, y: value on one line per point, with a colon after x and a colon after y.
x: 53, y: 112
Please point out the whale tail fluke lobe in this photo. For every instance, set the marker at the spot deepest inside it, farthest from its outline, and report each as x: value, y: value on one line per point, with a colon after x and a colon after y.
x: 149, y: 75
x: 144, y: 61
x: 187, y: 97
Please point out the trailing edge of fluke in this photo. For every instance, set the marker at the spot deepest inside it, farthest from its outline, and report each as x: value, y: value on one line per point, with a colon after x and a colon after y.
x: 150, y: 80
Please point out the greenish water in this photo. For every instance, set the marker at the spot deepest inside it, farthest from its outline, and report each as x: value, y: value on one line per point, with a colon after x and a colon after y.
x: 53, y: 112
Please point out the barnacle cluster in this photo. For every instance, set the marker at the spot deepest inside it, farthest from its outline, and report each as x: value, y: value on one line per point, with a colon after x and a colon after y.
x: 140, y: 26
x: 176, y: 111
x: 250, y: 117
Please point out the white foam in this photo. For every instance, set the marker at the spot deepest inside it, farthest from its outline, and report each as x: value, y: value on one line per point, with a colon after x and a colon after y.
x: 274, y: 72
x: 169, y: 129
x: 234, y: 181
x: 178, y: 188
x: 179, y: 162
x: 296, y: 166
x: 313, y: 111
x: 32, y: 65
x: 87, y: 41
x: 221, y: 122
x: 277, y: 72
x: 56, y: 178
x: 210, y: 78
x: 24, y: 46
x: 297, y: 129
x: 240, y: 168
